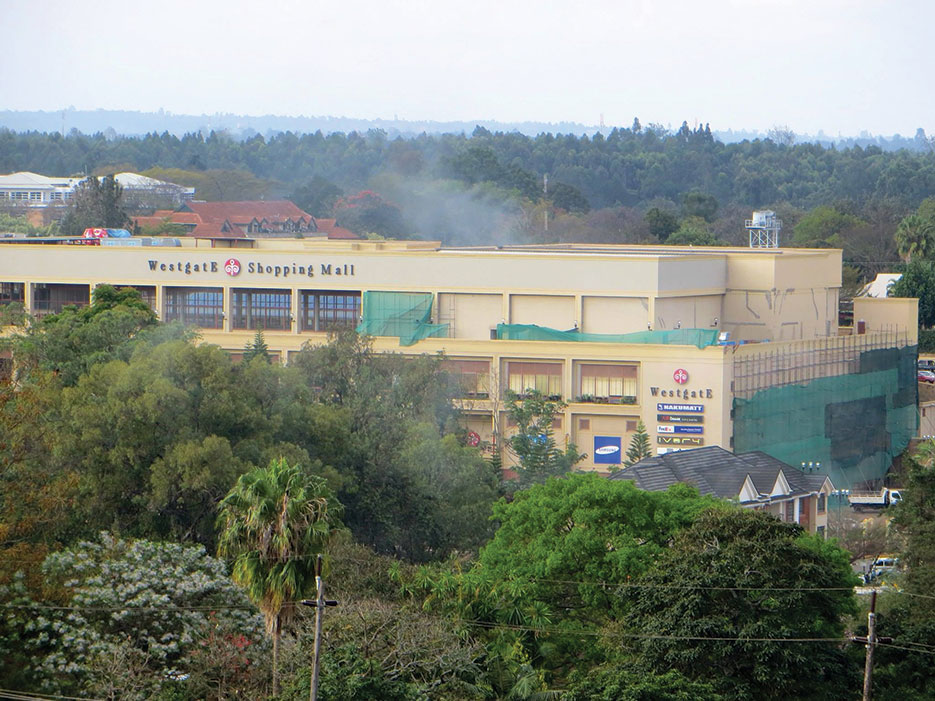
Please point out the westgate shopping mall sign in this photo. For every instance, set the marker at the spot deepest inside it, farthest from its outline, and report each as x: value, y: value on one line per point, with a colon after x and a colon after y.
x: 234, y: 268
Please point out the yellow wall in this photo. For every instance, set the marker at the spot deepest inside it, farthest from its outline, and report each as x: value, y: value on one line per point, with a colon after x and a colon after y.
x: 762, y: 294
x: 889, y: 315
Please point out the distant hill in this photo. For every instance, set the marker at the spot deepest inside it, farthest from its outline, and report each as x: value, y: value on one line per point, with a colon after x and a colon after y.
x: 131, y: 123
x: 128, y: 123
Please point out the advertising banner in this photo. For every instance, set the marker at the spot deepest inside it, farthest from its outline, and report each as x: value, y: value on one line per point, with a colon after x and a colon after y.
x: 607, y: 450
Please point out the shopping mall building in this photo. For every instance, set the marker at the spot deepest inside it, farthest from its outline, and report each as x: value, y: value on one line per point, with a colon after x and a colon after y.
x: 734, y: 347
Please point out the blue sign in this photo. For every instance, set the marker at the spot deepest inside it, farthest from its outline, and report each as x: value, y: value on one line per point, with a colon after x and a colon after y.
x: 607, y: 450
x: 686, y: 408
x: 689, y: 429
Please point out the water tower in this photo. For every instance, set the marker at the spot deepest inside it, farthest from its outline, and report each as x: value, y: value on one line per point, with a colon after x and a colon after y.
x: 764, y: 229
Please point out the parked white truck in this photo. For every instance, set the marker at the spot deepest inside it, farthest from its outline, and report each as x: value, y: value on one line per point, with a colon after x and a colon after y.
x: 874, y: 500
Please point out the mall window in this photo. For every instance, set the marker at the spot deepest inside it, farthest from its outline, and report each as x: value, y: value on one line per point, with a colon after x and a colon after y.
x: 324, y: 311
x: 12, y: 292
x: 51, y: 298
x: 545, y: 378
x: 606, y: 384
x: 469, y: 378
x: 261, y: 309
x: 196, y: 306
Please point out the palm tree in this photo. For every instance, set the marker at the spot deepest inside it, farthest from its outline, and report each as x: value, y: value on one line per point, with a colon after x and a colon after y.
x: 272, y: 524
x: 914, y: 237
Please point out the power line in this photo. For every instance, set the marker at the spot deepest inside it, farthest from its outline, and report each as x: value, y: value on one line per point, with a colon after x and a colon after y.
x: 927, y: 651
x: 35, y: 695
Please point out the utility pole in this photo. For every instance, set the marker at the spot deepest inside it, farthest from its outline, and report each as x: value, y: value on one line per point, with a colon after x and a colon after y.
x: 319, y: 603
x: 871, y: 641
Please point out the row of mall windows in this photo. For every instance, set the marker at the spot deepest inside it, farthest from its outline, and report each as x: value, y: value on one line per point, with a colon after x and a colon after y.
x: 270, y: 309
x: 251, y: 309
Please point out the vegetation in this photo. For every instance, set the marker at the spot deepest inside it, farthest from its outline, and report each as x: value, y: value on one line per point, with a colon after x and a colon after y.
x: 638, y: 184
x: 95, y: 203
x: 639, y: 445
x: 272, y: 523
x: 128, y: 452
x: 533, y: 444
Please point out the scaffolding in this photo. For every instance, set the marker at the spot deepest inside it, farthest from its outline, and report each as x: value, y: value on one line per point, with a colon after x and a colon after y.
x: 848, y: 403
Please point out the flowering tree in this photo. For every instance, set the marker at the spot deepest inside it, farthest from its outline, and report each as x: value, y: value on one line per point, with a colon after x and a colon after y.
x: 133, y: 612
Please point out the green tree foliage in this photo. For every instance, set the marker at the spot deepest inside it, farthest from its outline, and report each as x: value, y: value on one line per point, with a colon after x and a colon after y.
x: 639, y: 445
x: 139, y: 606
x: 662, y: 224
x: 825, y: 227
x: 915, y: 236
x: 97, y: 202
x: 215, y: 184
x: 918, y: 280
x: 569, y: 198
x: 534, y: 444
x: 470, y: 188
x: 317, y: 197
x: 12, y: 223
x: 547, y: 581
x: 392, y: 503
x: 367, y: 213
x: 569, y: 540
x: 615, y: 683
x: 739, y: 576
x: 257, y: 348
x: 456, y: 477
x: 693, y: 231
x: 272, y: 524
x: 72, y: 341
x: 907, y: 674
x: 699, y: 204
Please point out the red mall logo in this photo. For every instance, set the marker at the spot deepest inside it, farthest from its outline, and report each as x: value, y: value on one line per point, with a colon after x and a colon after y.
x: 680, y: 376
x: 232, y: 267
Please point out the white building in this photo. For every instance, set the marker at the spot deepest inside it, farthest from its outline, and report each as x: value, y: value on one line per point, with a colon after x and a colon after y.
x: 35, y: 190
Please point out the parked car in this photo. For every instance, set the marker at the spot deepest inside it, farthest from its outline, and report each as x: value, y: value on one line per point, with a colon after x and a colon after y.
x: 881, y: 567
x: 926, y: 376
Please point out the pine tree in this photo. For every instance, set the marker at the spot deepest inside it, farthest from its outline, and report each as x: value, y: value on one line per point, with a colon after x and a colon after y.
x: 639, y: 445
x: 256, y: 348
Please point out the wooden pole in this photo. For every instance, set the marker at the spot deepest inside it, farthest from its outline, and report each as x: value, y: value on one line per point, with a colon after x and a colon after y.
x: 871, y: 641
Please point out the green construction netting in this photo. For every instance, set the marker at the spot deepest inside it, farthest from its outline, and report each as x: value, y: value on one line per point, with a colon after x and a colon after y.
x: 854, y: 425
x: 701, y: 338
x: 403, y: 314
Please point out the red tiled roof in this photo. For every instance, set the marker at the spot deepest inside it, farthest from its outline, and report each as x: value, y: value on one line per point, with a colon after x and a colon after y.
x: 245, y: 211
x: 213, y: 230
x: 330, y: 227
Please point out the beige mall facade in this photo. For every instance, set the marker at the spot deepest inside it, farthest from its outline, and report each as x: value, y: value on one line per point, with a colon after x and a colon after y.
x: 296, y: 290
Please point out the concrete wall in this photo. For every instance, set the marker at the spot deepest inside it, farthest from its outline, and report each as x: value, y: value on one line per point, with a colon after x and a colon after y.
x: 888, y: 314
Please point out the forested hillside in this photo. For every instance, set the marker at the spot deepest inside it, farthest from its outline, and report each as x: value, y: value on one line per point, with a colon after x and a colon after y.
x: 634, y: 185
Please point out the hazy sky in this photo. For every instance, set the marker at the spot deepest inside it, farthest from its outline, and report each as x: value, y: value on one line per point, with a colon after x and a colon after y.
x: 839, y: 65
